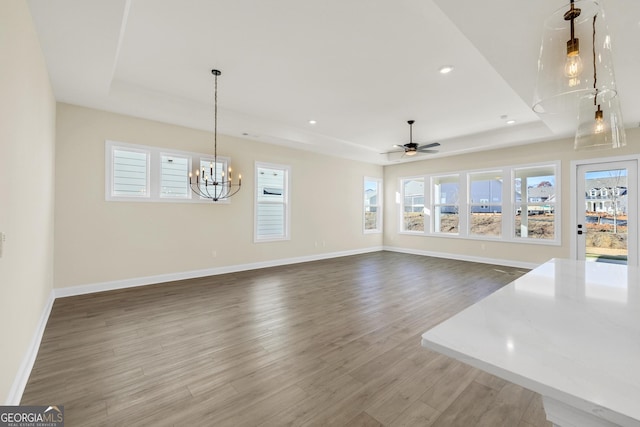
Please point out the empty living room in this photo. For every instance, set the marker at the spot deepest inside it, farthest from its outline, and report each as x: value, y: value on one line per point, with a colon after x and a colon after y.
x: 268, y: 213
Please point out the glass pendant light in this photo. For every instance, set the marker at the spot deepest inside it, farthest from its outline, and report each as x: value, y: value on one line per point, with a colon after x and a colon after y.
x: 567, y: 58
x: 600, y: 122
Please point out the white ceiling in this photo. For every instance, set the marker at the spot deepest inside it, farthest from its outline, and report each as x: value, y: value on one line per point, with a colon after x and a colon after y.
x: 360, y: 68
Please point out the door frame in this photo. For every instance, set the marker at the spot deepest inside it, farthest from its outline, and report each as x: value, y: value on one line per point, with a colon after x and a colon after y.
x: 633, y: 243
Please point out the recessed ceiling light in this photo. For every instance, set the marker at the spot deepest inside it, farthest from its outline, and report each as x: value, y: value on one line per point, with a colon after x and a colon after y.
x: 312, y: 122
x: 510, y: 122
x: 446, y: 69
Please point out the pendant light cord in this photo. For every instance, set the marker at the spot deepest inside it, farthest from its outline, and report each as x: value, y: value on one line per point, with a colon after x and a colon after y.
x: 595, y: 75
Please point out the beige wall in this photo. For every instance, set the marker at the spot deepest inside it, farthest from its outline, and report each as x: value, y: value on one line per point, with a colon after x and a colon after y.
x: 27, y: 113
x: 99, y: 241
x: 511, y: 252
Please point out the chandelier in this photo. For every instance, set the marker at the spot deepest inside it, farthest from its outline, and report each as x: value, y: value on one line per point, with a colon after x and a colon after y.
x: 212, y: 183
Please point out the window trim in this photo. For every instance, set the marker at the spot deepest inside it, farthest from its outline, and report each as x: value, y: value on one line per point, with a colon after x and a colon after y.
x: 508, y: 203
x: 433, y: 205
x: 378, y: 205
x: 425, y: 196
x: 504, y: 210
x: 165, y: 153
x: 109, y: 175
x: 557, y: 204
x: 154, y: 173
x: 286, y: 202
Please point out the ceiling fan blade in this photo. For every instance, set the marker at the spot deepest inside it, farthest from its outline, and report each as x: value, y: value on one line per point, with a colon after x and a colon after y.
x: 433, y: 144
x: 399, y: 146
x: 394, y: 151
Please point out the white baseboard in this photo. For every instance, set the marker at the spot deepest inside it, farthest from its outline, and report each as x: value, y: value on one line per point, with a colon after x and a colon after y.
x: 483, y: 260
x: 170, y: 277
x: 163, y: 278
x: 20, y: 381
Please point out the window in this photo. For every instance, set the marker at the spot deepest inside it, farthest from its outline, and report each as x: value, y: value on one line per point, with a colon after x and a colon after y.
x: 130, y: 172
x: 174, y: 174
x: 485, y: 203
x: 446, y: 193
x: 151, y: 174
x: 535, y: 202
x: 413, y: 204
x: 272, y: 202
x: 372, y: 205
x: 510, y: 203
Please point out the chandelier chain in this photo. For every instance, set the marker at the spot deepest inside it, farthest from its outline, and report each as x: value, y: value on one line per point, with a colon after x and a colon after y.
x: 216, y: 73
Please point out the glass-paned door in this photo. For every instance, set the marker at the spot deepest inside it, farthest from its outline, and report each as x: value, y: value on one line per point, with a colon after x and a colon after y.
x: 607, y: 212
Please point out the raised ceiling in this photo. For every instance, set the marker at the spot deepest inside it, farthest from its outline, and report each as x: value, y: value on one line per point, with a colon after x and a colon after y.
x: 359, y: 68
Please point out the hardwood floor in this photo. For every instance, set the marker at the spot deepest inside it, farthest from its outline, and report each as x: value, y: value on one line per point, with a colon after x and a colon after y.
x: 333, y: 342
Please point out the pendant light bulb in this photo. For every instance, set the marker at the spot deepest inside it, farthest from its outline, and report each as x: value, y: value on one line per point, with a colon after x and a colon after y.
x: 600, y: 124
x: 573, y: 65
x: 599, y: 128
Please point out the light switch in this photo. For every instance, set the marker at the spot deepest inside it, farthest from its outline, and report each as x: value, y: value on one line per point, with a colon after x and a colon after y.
x: 3, y: 237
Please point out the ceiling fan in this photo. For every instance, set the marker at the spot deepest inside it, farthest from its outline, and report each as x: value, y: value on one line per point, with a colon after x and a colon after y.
x: 411, y: 148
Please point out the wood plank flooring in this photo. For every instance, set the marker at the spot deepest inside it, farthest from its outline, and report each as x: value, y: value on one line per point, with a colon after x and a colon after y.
x: 333, y: 342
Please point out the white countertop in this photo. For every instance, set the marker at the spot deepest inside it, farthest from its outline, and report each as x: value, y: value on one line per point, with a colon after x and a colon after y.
x: 569, y: 330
